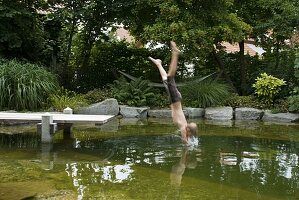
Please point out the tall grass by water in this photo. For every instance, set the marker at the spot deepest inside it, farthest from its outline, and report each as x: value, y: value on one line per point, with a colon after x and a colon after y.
x: 25, y: 86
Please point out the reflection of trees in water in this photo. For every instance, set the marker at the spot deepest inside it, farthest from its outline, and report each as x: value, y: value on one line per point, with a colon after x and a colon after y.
x: 257, y: 164
x: 260, y: 164
x: 87, y: 175
x: 19, y: 140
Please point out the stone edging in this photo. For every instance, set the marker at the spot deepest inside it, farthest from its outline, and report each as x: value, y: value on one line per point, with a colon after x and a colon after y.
x: 111, y: 107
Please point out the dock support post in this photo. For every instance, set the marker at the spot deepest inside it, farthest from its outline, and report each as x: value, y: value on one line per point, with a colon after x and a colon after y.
x: 67, y: 127
x: 68, y: 111
x: 47, y: 125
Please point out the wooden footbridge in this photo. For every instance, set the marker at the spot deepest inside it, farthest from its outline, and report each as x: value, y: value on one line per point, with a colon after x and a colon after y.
x: 48, y: 123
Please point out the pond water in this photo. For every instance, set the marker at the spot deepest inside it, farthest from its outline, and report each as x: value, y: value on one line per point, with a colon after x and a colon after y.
x: 130, y: 159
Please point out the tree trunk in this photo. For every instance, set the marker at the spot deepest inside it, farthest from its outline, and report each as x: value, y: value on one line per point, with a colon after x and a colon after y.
x: 223, y: 71
x: 70, y: 40
x: 87, y: 46
x: 277, y: 57
x: 66, y: 72
x: 242, y: 68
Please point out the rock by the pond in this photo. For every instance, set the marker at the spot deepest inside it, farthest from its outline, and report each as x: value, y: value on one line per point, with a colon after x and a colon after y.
x: 248, y: 114
x: 195, y: 112
x: 133, y: 112
x: 219, y: 113
x: 163, y: 113
x: 106, y: 107
x: 280, y: 117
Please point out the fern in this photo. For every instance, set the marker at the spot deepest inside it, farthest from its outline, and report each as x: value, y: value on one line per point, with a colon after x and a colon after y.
x: 134, y: 93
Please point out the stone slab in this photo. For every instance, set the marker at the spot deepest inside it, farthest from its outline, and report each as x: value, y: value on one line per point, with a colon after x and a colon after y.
x: 219, y: 113
x: 280, y: 117
x: 57, y: 118
x: 248, y: 113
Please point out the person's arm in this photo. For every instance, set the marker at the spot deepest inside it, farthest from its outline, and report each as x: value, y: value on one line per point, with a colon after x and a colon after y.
x: 179, y: 119
x: 184, y: 136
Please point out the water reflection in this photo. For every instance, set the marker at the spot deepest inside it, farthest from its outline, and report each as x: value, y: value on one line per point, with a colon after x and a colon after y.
x: 238, y: 164
x: 148, y: 164
x: 189, y: 158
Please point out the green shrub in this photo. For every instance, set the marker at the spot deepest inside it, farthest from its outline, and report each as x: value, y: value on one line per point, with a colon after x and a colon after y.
x: 135, y: 93
x: 97, y: 95
x: 280, y: 106
x: 293, y: 103
x: 267, y: 86
x: 25, y: 86
x: 204, y: 93
x: 237, y: 101
x: 65, y: 99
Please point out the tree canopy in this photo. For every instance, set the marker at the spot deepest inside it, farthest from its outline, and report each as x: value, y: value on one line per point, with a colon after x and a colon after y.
x: 66, y: 35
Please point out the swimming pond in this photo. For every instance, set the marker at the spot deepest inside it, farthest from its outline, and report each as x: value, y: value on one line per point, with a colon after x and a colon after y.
x: 144, y: 159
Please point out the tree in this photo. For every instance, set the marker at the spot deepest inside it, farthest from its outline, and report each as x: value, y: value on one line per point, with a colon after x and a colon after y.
x: 203, y: 25
x: 274, y: 27
x: 21, y: 32
x: 199, y: 25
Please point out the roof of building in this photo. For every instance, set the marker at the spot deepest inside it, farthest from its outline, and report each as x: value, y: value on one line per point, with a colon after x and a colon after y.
x: 123, y: 34
x: 249, y: 47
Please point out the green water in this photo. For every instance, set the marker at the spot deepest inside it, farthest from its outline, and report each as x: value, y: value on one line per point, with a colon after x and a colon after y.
x: 129, y: 159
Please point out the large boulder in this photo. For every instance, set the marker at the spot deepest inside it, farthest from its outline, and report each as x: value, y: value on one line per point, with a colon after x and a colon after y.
x: 106, y: 107
x: 219, y: 113
x: 248, y: 114
x: 133, y: 112
x: 280, y: 117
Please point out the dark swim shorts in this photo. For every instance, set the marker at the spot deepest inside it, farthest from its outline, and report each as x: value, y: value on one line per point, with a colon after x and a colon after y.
x: 171, y: 89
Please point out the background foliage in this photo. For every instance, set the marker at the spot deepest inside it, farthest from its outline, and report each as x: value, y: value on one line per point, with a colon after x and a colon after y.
x: 137, y: 93
x: 293, y: 100
x: 74, y: 39
x: 205, y: 93
x: 267, y: 87
x: 65, y: 98
x: 25, y: 86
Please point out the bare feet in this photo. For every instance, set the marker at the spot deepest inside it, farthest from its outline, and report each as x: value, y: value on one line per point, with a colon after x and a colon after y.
x: 174, y: 48
x: 157, y: 62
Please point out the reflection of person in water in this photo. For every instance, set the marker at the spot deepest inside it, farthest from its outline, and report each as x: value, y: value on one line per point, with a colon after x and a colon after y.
x: 178, y: 170
x: 187, y: 160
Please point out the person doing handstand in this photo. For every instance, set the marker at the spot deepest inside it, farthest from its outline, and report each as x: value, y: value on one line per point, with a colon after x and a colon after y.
x: 188, y: 130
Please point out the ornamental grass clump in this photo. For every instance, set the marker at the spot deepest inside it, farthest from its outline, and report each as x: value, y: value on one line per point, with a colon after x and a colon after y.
x: 267, y: 87
x: 205, y: 93
x: 25, y: 86
x: 65, y: 98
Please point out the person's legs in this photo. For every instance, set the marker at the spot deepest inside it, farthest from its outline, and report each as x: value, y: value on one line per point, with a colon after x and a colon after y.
x: 175, y: 95
x: 174, y: 59
x: 169, y: 78
x: 158, y: 63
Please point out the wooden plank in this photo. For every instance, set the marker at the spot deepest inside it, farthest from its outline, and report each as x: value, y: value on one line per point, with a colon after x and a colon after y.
x: 57, y: 118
